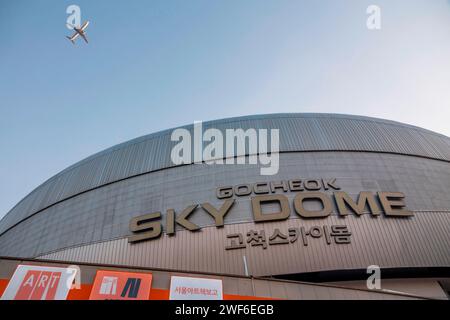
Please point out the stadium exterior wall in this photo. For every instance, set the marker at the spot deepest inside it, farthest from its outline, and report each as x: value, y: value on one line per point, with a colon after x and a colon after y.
x: 83, y: 213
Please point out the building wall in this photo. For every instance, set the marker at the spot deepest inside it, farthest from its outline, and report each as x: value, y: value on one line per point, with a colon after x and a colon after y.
x: 388, y: 243
x: 423, y: 287
x: 298, y: 133
x: 84, y: 215
x: 102, y: 217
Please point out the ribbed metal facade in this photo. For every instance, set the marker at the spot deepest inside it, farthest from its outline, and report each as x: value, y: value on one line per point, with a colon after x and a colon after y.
x: 298, y: 132
x: 390, y: 243
x: 83, y: 213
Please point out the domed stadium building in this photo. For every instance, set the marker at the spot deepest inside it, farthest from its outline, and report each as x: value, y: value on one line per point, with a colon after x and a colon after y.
x: 350, y: 198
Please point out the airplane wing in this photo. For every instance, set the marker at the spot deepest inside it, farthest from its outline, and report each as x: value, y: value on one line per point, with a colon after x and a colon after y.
x: 84, y: 26
x: 74, y: 36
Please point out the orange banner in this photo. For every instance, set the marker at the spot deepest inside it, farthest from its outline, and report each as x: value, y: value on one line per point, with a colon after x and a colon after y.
x: 117, y: 285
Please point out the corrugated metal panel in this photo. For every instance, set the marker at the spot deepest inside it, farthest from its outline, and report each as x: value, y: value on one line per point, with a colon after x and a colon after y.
x: 420, y: 241
x: 298, y: 132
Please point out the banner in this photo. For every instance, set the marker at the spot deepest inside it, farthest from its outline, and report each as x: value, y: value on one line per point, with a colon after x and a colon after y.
x: 39, y: 283
x: 117, y: 285
x: 187, y: 288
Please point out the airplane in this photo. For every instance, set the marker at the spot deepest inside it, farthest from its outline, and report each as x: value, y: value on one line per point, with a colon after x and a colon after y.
x: 79, y: 32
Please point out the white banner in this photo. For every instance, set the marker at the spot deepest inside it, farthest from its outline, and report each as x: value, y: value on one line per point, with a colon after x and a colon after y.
x: 39, y: 283
x: 187, y: 288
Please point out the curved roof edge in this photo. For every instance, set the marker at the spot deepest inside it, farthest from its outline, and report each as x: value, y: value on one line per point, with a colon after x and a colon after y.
x: 249, y: 117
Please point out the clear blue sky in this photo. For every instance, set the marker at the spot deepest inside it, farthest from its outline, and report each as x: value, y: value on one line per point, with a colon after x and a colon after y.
x: 151, y: 65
